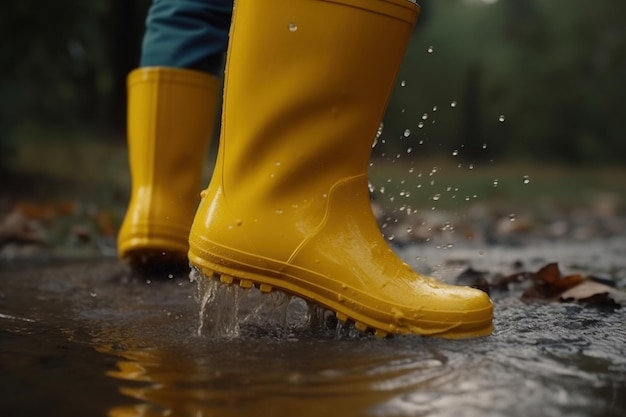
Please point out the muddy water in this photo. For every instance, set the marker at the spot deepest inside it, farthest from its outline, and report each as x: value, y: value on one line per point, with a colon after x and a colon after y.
x: 85, y: 338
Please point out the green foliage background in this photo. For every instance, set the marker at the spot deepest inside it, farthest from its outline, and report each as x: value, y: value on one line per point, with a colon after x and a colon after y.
x: 555, y: 69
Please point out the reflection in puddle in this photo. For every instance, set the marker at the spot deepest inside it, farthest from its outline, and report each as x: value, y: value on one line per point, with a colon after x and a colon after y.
x: 266, y: 378
x: 545, y: 359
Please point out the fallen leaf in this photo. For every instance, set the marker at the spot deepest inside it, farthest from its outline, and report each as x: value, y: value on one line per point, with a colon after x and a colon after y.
x: 18, y: 228
x: 595, y: 293
x: 549, y: 283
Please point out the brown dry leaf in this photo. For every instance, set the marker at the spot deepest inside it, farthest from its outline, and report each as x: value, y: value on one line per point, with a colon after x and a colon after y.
x: 66, y: 207
x: 548, y: 283
x: 16, y: 227
x: 35, y: 210
x: 595, y: 293
x: 105, y: 223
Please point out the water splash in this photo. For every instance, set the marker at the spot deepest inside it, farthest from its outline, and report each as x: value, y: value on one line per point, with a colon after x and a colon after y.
x: 230, y: 311
x: 217, y: 302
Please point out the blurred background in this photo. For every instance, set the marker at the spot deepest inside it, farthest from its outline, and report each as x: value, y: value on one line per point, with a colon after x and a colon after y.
x: 516, y: 101
x: 555, y: 69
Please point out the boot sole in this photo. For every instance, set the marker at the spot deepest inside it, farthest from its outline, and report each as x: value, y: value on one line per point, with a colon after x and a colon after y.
x: 476, y: 323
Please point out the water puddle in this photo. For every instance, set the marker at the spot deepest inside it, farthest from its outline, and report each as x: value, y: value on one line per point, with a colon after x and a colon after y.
x: 88, y: 339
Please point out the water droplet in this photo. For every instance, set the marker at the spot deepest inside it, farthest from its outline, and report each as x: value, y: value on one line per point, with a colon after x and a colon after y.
x: 430, y: 49
x: 501, y: 118
x: 424, y: 116
x: 434, y: 108
x: 279, y: 211
x: 484, y: 146
x: 411, y: 170
x: 436, y: 197
x: 292, y: 27
x: 93, y: 294
x: 512, y: 217
x: 409, y: 229
x: 402, y: 83
x: 407, y: 133
x: 409, y: 150
x: 420, y: 125
x: 277, y: 163
x: 471, y: 166
x: 453, y: 104
x: 455, y: 152
x: 390, y: 237
x: 495, y: 182
x: 526, y: 179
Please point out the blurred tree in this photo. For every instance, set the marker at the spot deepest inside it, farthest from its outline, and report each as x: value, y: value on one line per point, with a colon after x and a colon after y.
x: 553, y: 69
x: 64, y: 63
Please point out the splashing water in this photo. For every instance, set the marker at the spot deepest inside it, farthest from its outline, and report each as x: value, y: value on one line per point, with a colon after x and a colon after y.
x: 219, y: 303
x: 228, y: 311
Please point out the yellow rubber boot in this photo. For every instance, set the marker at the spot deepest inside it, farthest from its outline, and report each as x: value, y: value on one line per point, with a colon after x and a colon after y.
x: 288, y: 208
x: 171, y: 116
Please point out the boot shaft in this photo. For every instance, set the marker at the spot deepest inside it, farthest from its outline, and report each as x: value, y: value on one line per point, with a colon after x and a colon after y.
x: 315, y: 75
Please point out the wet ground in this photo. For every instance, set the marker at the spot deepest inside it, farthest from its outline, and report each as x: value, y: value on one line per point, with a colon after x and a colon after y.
x: 83, y: 337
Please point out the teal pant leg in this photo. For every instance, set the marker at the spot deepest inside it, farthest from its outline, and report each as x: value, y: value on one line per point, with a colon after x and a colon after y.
x: 190, y: 34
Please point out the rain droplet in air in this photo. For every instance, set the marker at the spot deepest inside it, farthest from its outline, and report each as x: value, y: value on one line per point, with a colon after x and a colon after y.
x: 402, y: 83
x: 526, y: 179
x: 407, y: 133
x: 430, y: 49
x: 292, y: 27
x: 501, y: 118
x: 455, y: 152
x: 453, y: 104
